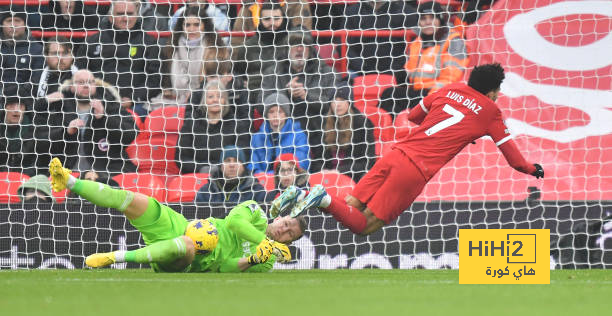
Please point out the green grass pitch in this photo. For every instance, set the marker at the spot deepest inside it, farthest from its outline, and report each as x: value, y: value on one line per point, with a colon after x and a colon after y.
x: 287, y: 293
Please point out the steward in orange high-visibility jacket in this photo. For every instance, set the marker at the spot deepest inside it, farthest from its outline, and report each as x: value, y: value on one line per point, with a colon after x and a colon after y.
x: 437, y: 57
x: 430, y: 67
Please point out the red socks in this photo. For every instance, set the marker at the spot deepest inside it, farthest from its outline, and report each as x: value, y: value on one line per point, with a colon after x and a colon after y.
x: 351, y: 217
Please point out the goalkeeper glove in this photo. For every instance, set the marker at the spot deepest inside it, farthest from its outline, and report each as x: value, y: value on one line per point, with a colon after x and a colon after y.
x: 262, y: 252
x: 281, y: 251
x: 539, y: 173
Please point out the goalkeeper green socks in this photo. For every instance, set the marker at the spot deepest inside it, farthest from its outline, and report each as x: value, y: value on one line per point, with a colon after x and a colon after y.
x: 160, y: 252
x: 102, y: 195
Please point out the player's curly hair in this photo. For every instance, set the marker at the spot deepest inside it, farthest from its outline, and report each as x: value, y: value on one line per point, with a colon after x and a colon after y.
x: 486, y: 78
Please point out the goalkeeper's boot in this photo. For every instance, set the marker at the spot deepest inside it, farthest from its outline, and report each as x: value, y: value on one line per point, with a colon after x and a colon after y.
x: 313, y: 199
x: 100, y: 260
x: 59, y: 175
x: 285, y: 201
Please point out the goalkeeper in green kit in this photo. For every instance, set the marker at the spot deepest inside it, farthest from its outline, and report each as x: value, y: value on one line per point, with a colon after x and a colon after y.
x: 242, y: 241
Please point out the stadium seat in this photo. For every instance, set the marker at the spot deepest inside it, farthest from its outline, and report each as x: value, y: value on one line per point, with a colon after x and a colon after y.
x: 154, y: 148
x: 24, y: 2
x: 167, y: 119
x: 154, y: 153
x: 60, y: 197
x: 67, y: 34
x: 370, y: 87
x: 334, y: 182
x: 334, y: 2
x: 266, y: 179
x: 146, y: 184
x: 9, y: 183
x: 97, y: 2
x: 184, y: 188
x: 257, y: 121
x: 327, y: 52
x: 381, y: 119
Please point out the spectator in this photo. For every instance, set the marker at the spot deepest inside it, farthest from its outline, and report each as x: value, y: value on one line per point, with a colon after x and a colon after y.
x: 217, y: 12
x: 377, y: 54
x: 124, y: 55
x: 84, y: 125
x: 208, y: 128
x: 251, y: 15
x: 68, y: 15
x: 259, y: 51
x: 278, y: 135
x: 348, y: 138
x: 231, y: 182
x: 59, y: 66
x: 287, y: 172
x: 193, y: 43
x: 36, y: 190
x: 16, y: 131
x: 307, y: 80
x: 155, y: 17
x: 236, y: 92
x: 21, y: 57
x: 436, y: 58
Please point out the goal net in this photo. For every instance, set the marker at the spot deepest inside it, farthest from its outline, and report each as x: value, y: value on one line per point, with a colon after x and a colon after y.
x: 162, y: 97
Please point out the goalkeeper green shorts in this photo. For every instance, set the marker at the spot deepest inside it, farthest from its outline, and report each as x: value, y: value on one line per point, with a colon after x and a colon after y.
x: 164, y: 224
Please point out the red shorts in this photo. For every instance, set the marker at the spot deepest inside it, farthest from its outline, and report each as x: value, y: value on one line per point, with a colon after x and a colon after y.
x: 391, y: 186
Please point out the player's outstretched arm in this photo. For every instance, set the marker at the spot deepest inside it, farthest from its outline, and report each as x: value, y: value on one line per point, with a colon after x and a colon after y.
x: 241, y: 218
x: 517, y: 161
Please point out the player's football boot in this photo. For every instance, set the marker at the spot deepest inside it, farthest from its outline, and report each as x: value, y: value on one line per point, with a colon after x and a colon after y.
x: 313, y: 199
x: 100, y: 260
x: 285, y: 201
x: 59, y: 175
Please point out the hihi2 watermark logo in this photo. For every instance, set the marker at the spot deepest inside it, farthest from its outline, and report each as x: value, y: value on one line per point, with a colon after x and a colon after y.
x: 504, y: 256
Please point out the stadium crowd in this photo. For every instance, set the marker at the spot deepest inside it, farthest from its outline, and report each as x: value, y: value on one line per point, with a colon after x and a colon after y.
x: 159, y: 91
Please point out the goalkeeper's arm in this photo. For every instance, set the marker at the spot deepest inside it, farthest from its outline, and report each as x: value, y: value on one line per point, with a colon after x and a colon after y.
x: 239, y: 221
x: 242, y: 265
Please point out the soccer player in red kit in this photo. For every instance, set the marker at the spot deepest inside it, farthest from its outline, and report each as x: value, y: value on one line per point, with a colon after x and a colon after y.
x: 449, y: 119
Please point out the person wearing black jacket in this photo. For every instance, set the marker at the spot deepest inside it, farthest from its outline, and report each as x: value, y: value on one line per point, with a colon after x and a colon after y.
x: 16, y: 131
x: 68, y: 15
x: 124, y: 55
x: 59, y: 66
x: 231, y: 181
x: 84, y: 125
x: 259, y: 51
x: 20, y: 56
x: 208, y: 128
x: 378, y: 54
x: 348, y: 138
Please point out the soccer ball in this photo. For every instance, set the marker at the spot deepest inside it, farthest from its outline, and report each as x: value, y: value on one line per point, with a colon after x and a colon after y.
x: 204, y: 235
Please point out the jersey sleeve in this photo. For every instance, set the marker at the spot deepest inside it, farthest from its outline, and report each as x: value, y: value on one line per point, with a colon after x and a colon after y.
x: 417, y: 115
x: 498, y: 130
x: 240, y: 220
x: 515, y: 159
x: 231, y: 265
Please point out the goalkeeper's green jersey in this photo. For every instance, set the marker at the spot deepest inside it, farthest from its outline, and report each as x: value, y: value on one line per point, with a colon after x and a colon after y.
x: 239, y: 234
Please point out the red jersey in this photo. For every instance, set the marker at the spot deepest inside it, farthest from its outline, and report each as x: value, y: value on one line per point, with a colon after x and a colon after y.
x: 450, y: 119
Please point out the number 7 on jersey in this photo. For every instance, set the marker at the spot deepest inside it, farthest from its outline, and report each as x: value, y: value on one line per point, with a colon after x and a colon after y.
x: 455, y: 118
